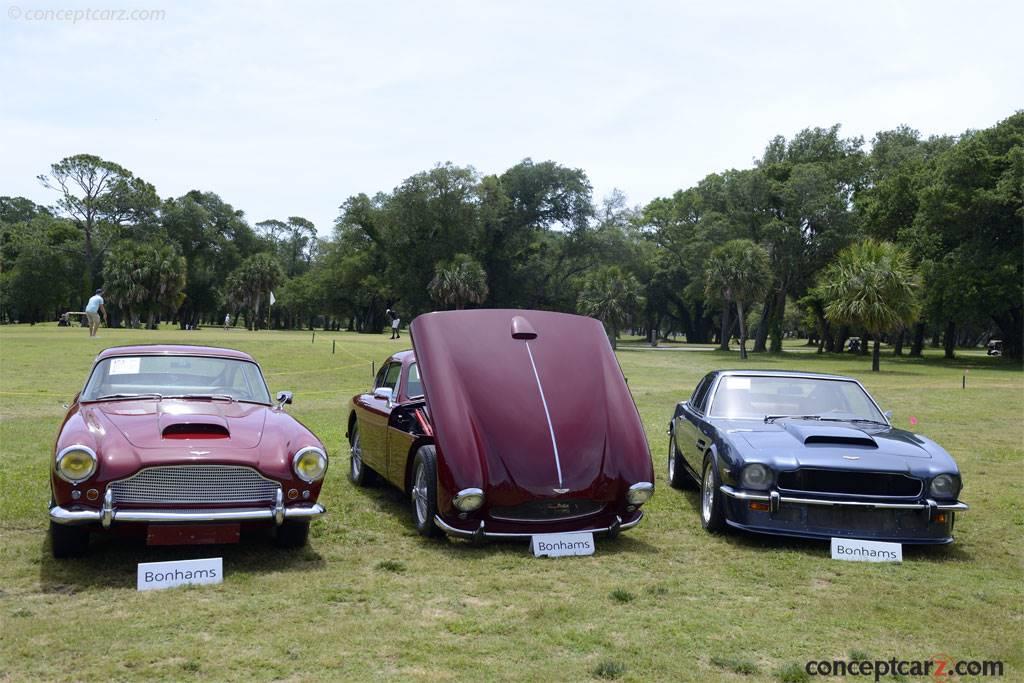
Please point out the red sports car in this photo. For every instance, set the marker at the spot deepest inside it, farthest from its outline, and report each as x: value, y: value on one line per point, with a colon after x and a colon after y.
x: 181, y: 444
x: 505, y: 423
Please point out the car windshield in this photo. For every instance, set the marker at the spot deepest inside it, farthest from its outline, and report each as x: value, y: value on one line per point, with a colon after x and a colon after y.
x: 759, y: 397
x: 205, y: 377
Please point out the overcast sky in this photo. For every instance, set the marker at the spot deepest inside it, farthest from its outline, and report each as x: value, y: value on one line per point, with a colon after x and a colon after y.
x: 288, y: 108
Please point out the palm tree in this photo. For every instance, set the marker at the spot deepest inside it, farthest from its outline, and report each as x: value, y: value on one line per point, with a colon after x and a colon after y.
x: 459, y: 282
x: 739, y: 272
x: 611, y: 296
x: 124, y: 280
x: 872, y: 285
x: 257, y: 276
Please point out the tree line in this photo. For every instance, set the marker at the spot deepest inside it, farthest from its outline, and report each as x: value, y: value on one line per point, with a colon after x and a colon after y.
x: 906, y: 239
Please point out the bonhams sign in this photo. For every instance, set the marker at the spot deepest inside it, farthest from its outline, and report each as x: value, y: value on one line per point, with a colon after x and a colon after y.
x: 855, y: 550
x: 157, y: 575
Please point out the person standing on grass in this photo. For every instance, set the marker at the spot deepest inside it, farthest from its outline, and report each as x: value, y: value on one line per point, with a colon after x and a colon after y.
x: 395, y: 323
x: 227, y: 320
x: 93, y: 310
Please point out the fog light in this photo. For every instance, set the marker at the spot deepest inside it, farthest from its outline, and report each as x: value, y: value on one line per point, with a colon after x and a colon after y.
x: 468, y: 500
x: 639, y: 494
x: 75, y: 495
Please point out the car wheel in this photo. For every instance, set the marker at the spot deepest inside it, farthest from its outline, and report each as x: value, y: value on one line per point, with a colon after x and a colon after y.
x: 292, y: 534
x: 678, y: 477
x: 711, y: 516
x: 424, y: 491
x: 358, y: 472
x: 68, y: 541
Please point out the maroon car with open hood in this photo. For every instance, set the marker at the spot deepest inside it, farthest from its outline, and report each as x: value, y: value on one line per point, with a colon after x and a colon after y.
x: 505, y: 423
x: 183, y: 445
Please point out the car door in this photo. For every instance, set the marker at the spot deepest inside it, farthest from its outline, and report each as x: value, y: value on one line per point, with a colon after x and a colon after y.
x: 373, y: 422
x: 399, y: 433
x: 691, y: 439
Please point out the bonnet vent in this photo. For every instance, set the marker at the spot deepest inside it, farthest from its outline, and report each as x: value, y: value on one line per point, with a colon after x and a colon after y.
x: 195, y: 431
x: 522, y: 329
x: 841, y: 440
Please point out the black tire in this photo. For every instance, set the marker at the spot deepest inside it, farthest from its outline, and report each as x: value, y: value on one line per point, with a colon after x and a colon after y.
x: 358, y: 472
x: 678, y: 477
x: 712, y: 516
x: 68, y: 541
x: 423, y: 491
x: 292, y: 534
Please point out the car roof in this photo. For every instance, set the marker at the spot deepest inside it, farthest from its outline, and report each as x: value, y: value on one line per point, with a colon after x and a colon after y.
x: 783, y: 373
x: 173, y: 350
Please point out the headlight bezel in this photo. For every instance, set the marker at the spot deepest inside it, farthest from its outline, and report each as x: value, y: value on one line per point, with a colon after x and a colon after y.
x: 640, y: 493
x: 302, y: 452
x: 468, y: 500
x: 767, y: 476
x: 65, y: 452
x: 955, y: 485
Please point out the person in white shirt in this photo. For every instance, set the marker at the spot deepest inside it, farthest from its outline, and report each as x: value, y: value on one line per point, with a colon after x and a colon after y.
x: 395, y: 324
x: 227, y: 320
x: 92, y: 311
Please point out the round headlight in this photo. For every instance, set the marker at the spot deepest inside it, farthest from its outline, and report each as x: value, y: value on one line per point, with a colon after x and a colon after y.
x: 945, y: 486
x: 76, y: 463
x: 468, y: 500
x: 310, y: 464
x: 640, y: 493
x: 756, y: 476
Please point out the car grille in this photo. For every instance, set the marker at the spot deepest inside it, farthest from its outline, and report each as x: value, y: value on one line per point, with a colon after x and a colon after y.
x: 840, y: 482
x: 194, y: 484
x: 547, y: 510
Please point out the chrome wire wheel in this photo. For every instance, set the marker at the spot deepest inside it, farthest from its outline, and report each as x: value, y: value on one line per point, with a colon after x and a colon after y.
x: 420, y: 494
x: 356, y: 461
x: 707, y: 498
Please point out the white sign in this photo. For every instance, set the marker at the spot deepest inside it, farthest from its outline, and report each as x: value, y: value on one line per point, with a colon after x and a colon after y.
x: 124, y: 366
x: 157, y: 575
x: 562, y: 545
x: 855, y: 550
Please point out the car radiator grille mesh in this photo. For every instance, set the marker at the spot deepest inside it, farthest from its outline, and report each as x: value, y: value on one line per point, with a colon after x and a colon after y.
x: 845, y: 482
x: 547, y: 510
x: 195, y: 484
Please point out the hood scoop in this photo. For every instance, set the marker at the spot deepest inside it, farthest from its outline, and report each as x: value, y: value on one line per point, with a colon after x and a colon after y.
x: 196, y: 430
x: 817, y: 434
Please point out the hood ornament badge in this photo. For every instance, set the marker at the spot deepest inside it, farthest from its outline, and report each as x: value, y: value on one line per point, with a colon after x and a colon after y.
x: 199, y: 452
x: 560, y: 491
x: 851, y: 457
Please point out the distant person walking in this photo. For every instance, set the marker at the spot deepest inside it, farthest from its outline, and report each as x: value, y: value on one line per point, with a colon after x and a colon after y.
x: 227, y: 321
x: 396, y: 323
x: 93, y: 310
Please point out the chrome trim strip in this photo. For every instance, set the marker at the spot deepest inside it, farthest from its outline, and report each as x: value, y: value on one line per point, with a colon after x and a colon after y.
x: 775, y: 499
x: 452, y: 531
x: 551, y: 427
x: 61, y: 515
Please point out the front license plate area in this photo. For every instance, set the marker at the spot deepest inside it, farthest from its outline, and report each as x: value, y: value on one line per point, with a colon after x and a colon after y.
x: 562, y: 545
x: 192, y: 534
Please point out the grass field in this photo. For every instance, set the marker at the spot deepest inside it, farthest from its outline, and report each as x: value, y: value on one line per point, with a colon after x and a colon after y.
x: 369, y: 599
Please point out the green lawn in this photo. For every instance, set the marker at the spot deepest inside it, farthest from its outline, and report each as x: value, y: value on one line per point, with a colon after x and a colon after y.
x: 369, y: 599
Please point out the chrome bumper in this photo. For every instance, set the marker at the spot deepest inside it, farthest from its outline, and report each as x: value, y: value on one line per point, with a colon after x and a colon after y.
x: 775, y: 500
x: 480, y: 533
x: 106, y: 516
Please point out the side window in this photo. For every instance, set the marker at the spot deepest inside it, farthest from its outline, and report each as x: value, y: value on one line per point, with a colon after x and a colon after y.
x: 414, y: 387
x: 379, y: 379
x: 391, y: 377
x: 700, y: 394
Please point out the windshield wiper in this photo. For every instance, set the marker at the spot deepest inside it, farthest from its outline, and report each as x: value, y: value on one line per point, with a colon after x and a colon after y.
x: 854, y: 419
x: 121, y: 397
x: 773, y: 418
x: 212, y: 397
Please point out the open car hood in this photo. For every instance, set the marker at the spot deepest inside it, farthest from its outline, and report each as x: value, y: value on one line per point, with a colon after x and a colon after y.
x: 529, y: 404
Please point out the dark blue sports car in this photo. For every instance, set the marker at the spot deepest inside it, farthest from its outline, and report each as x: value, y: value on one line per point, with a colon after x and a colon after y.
x: 812, y: 455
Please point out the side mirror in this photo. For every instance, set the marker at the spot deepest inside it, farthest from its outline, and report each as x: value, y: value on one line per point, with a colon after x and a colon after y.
x: 888, y: 415
x: 283, y: 398
x: 383, y: 393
